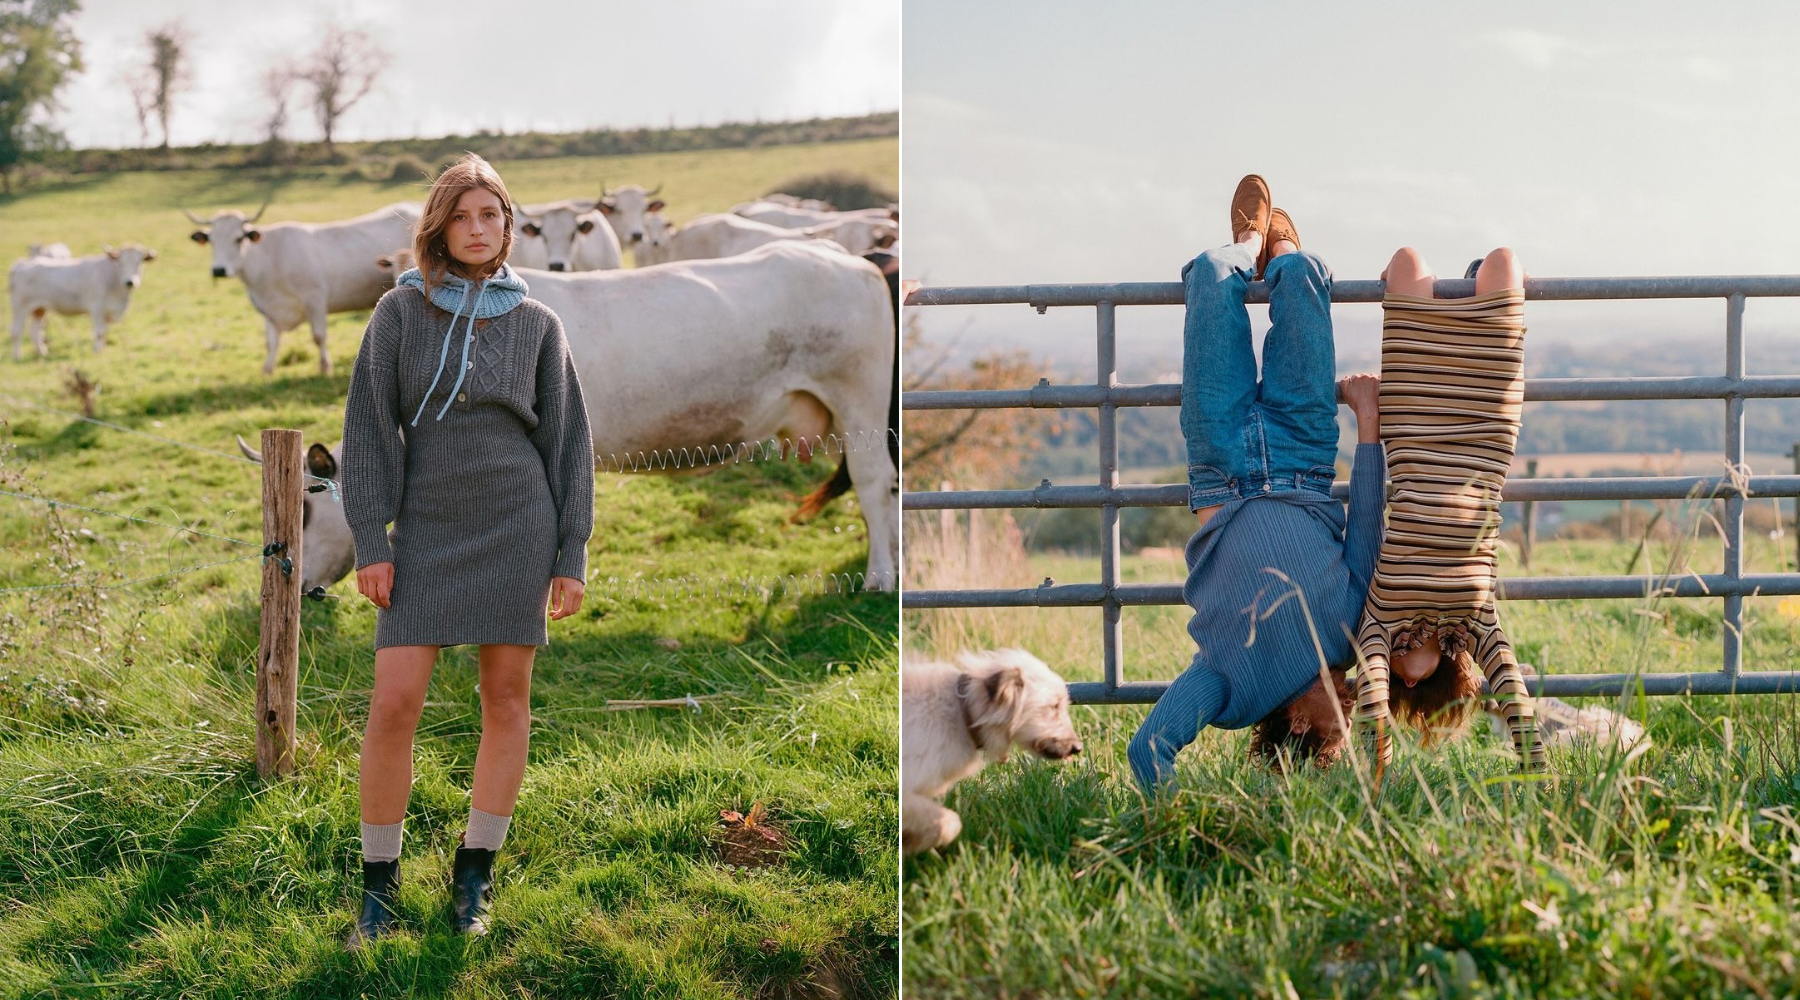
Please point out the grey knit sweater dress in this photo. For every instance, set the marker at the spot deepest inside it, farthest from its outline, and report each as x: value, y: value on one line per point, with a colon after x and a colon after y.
x: 487, y: 503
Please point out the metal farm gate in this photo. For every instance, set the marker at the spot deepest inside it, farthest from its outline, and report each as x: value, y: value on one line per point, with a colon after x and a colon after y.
x: 1107, y: 395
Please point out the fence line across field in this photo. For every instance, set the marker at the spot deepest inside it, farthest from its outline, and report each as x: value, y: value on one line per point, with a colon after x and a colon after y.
x: 1107, y: 394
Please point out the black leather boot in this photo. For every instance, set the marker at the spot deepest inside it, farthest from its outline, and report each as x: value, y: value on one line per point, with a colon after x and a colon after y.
x: 381, y: 883
x: 471, y: 889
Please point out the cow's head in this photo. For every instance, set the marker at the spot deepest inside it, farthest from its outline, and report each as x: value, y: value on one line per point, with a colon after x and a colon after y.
x: 227, y: 232
x: 393, y: 265
x: 655, y: 246
x: 625, y: 209
x: 327, y: 550
x: 560, y: 225
x: 128, y: 264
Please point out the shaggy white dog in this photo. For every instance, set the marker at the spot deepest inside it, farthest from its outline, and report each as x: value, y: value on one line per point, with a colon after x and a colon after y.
x: 954, y: 717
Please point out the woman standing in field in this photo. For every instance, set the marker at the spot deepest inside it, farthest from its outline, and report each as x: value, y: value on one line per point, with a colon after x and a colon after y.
x: 482, y: 459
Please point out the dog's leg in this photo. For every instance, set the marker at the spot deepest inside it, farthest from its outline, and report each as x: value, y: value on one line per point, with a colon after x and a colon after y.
x: 925, y: 824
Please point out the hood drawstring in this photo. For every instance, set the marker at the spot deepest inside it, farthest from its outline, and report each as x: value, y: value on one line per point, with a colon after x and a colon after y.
x: 444, y: 354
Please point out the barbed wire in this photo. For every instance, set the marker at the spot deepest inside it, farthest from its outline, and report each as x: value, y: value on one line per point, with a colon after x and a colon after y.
x: 762, y: 450
x: 126, y: 517
x: 132, y: 583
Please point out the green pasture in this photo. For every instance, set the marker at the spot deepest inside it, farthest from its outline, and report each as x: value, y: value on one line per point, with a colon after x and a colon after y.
x: 1673, y: 875
x: 141, y: 857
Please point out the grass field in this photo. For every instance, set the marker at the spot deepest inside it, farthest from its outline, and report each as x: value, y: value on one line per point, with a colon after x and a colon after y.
x: 1674, y: 875
x: 141, y: 857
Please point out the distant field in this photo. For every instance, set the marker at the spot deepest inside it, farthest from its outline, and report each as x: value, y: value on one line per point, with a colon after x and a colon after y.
x: 141, y: 857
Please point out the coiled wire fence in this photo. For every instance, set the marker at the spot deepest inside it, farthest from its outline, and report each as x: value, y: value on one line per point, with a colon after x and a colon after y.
x: 1107, y: 395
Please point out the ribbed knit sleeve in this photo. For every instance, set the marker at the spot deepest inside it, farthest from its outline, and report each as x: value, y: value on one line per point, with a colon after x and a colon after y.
x: 374, y: 454
x: 563, y: 438
x: 1368, y: 498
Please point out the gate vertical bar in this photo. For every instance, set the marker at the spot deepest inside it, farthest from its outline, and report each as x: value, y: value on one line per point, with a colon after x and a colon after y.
x: 1107, y: 375
x: 1732, y: 628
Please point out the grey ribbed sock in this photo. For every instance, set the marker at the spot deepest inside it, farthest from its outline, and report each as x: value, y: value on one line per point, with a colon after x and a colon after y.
x: 381, y: 841
x: 486, y: 830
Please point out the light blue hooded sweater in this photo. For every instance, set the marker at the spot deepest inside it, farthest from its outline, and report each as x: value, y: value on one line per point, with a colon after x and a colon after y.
x: 496, y: 295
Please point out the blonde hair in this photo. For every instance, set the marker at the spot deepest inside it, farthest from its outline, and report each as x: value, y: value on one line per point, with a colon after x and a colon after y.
x: 429, y: 250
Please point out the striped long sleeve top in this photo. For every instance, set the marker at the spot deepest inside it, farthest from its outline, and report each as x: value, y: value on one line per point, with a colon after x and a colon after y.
x: 1452, y: 386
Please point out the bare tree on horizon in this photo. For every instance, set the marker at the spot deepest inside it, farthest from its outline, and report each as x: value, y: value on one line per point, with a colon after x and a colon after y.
x: 170, y: 71
x: 341, y: 71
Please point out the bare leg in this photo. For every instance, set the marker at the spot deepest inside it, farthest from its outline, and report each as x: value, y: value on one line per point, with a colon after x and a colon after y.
x: 401, y: 676
x: 1408, y: 274
x: 1499, y: 269
x: 505, y: 726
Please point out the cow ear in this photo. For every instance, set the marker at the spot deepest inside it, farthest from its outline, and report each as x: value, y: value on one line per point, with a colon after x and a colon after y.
x: 149, y: 254
x: 253, y: 235
x: 320, y: 463
x: 886, y: 240
x: 586, y: 226
x: 655, y: 206
x: 200, y: 236
x: 114, y: 254
x: 606, y: 206
x: 530, y: 229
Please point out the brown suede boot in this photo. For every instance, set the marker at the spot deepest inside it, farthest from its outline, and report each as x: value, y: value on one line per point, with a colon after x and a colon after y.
x: 1280, y: 228
x: 1250, y: 207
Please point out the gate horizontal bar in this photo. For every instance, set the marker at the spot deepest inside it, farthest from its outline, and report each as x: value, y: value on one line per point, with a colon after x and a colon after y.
x: 1169, y: 293
x: 1565, y: 685
x: 1086, y: 595
x: 1537, y: 390
x: 1045, y: 496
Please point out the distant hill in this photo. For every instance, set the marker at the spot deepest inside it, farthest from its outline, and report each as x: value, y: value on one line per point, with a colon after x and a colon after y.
x: 1150, y: 437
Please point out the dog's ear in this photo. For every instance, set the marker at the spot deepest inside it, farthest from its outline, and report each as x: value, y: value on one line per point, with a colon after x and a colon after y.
x: 1005, y: 686
x: 994, y: 709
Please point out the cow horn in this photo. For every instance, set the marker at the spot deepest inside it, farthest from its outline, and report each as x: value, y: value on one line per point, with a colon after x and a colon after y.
x: 259, y: 212
x: 654, y: 193
x: 249, y: 452
x: 602, y: 187
x: 196, y: 220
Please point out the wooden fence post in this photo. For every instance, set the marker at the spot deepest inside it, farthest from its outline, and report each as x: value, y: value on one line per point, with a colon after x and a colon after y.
x: 278, y: 652
x: 1530, y: 534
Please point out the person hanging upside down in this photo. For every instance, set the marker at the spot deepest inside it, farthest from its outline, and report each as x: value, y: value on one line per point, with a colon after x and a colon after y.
x: 1277, y: 575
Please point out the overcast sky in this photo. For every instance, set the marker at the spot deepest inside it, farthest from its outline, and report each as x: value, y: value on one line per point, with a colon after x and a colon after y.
x: 1057, y: 141
x: 462, y: 65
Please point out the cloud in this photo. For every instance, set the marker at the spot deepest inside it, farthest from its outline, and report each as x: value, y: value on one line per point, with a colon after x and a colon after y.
x: 1539, y: 50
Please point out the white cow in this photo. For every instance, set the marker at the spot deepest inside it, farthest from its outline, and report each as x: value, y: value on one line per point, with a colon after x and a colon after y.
x: 57, y: 251
x: 795, y: 201
x: 791, y: 341
x: 625, y: 209
x: 304, y: 271
x: 564, y: 236
x: 803, y: 218
x: 858, y: 234
x: 99, y: 286
x: 707, y: 236
x: 327, y: 550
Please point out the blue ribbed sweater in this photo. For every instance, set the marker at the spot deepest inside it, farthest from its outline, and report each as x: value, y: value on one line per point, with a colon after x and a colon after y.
x: 1255, y: 652
x: 1267, y: 662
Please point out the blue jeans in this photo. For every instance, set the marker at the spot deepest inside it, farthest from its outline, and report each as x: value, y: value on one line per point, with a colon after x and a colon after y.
x: 1247, y: 437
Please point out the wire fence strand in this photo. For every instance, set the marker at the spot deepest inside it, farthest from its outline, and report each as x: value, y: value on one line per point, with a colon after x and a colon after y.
x: 126, y: 517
